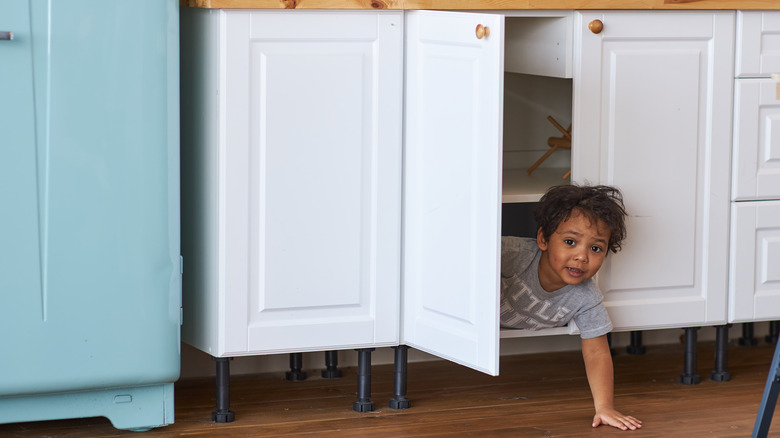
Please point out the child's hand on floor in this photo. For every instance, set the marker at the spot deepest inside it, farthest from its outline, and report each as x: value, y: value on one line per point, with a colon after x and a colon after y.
x: 614, y: 418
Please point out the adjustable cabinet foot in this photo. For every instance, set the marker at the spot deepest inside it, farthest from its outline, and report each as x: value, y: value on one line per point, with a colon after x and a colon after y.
x: 689, y: 376
x: 400, y: 362
x: 721, y: 373
x: 364, y: 403
x: 331, y: 370
x: 747, y: 339
x: 296, y: 363
x: 636, y: 346
x: 774, y: 328
x: 223, y: 414
x: 609, y: 342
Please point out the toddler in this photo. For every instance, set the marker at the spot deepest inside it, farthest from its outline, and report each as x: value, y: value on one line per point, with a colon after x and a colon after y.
x: 547, y: 281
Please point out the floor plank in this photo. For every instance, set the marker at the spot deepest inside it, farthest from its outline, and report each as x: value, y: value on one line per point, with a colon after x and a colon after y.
x: 540, y: 395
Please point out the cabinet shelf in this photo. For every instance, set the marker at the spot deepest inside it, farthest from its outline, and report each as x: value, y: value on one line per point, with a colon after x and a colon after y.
x: 518, y: 333
x: 519, y: 186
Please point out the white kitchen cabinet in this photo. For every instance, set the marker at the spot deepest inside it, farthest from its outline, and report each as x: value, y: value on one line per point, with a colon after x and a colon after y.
x: 652, y: 111
x: 755, y: 258
x: 292, y: 170
x: 291, y: 174
x: 652, y: 115
x: 754, y: 276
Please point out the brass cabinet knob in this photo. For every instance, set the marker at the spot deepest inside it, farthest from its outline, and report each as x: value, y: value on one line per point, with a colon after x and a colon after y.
x: 482, y: 31
x: 596, y: 26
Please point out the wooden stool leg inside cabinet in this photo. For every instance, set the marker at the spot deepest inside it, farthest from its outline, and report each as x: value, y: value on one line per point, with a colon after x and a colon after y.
x: 555, y: 143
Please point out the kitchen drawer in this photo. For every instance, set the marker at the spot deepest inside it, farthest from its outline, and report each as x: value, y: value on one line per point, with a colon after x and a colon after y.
x: 754, y: 280
x: 758, y: 43
x: 756, y: 160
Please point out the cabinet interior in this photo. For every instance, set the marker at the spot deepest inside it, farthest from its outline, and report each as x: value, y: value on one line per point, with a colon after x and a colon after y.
x: 528, y: 101
x: 537, y: 84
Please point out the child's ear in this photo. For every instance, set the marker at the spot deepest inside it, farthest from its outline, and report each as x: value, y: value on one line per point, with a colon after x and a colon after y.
x: 540, y: 240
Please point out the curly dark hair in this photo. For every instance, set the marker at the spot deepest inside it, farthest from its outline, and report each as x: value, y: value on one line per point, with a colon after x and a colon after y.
x: 604, y: 203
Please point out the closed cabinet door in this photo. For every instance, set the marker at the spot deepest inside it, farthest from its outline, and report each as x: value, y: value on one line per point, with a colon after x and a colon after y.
x: 754, y: 276
x: 312, y: 180
x: 652, y: 111
x: 452, y: 186
x: 756, y: 163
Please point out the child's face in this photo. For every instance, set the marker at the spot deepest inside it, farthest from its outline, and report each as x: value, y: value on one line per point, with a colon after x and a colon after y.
x: 574, y: 252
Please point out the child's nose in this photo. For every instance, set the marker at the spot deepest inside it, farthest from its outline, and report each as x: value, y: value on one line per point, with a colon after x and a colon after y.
x: 581, y: 256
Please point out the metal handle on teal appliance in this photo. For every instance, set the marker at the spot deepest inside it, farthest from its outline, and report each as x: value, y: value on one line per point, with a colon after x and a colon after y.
x: 5, y: 35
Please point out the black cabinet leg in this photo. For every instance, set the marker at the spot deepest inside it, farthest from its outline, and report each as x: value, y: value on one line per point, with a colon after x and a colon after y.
x: 364, y: 403
x: 331, y: 370
x: 399, y: 400
x: 636, y: 346
x: 223, y: 414
x: 609, y: 343
x: 689, y: 376
x: 721, y: 372
x: 747, y: 338
x: 296, y: 363
x: 774, y: 327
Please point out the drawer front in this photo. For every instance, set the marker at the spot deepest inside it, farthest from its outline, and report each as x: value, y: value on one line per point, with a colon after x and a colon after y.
x: 758, y: 43
x: 756, y: 164
x: 754, y: 283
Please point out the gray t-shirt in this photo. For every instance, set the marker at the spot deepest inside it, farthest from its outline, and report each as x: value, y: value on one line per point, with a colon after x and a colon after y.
x: 526, y: 305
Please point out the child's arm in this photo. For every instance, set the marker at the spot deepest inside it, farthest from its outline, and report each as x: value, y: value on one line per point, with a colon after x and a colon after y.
x: 598, y: 366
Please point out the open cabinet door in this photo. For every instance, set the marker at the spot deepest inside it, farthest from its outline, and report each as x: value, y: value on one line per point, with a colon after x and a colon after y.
x: 452, y: 186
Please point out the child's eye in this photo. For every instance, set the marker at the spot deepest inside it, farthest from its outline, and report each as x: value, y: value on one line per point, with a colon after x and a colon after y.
x: 569, y: 242
x: 596, y: 249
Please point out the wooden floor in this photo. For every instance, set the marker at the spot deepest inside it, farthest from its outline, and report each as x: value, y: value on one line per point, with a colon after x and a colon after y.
x: 542, y: 395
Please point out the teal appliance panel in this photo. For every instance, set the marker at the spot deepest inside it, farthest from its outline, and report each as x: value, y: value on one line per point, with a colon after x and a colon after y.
x: 90, y: 267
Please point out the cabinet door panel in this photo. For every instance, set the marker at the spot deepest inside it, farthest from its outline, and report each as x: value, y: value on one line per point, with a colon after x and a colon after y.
x: 754, y: 284
x: 312, y: 153
x: 758, y: 43
x: 652, y: 110
x: 756, y: 140
x: 452, y: 187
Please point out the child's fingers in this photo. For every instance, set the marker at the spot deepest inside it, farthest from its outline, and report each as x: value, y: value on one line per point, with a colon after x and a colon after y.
x: 621, y: 422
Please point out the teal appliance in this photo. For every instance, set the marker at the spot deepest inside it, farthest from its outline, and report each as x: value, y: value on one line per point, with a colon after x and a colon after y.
x: 90, y: 266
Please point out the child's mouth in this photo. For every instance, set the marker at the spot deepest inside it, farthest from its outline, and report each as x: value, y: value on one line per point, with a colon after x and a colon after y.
x: 574, y: 272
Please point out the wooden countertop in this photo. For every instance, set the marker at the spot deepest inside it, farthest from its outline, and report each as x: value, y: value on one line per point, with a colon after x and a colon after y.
x: 484, y: 4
